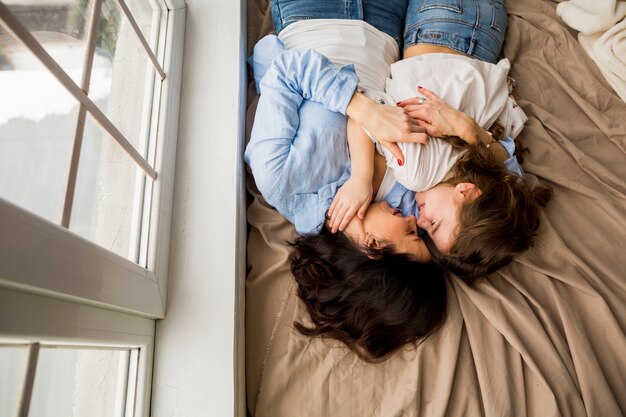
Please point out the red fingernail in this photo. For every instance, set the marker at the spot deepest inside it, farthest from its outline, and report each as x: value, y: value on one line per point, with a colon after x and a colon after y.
x: 398, y: 103
x: 400, y: 162
x: 419, y: 86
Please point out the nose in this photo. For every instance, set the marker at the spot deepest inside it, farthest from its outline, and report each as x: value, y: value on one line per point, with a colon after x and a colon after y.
x: 422, y: 222
x: 412, y: 221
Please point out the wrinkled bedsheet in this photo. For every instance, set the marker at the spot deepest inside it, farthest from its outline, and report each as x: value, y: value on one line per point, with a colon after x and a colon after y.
x: 545, y: 336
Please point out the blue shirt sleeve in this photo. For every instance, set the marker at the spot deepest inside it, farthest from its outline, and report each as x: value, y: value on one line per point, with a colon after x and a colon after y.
x: 261, y: 60
x: 293, y: 77
x: 309, y: 74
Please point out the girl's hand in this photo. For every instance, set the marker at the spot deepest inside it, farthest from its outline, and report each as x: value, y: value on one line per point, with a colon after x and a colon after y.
x: 438, y: 117
x: 353, y: 197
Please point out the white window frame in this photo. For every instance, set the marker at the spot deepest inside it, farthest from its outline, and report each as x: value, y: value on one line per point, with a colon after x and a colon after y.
x: 59, y: 288
x: 199, y: 346
x: 42, y: 257
x: 33, y: 318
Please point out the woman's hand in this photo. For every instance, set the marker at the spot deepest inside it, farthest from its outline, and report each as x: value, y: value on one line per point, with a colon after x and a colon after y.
x: 353, y: 197
x: 438, y: 117
x: 387, y: 124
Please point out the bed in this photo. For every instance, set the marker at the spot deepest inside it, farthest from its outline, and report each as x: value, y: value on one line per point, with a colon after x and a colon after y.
x: 544, y: 336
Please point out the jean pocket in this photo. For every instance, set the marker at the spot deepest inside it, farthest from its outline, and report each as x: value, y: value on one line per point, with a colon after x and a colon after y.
x: 498, y: 20
x: 452, y: 5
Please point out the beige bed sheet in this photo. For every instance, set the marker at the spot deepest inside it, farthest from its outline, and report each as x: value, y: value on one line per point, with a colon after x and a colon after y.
x: 545, y: 336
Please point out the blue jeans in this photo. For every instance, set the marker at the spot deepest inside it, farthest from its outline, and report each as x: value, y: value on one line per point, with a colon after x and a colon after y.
x: 385, y: 15
x: 472, y: 27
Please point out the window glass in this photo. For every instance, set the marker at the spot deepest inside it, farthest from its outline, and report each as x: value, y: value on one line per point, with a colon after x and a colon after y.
x: 123, y: 77
x: 37, y: 127
x: 109, y: 194
x: 38, y: 118
x: 61, y: 27
x: 146, y: 13
x: 13, y: 368
x: 80, y: 382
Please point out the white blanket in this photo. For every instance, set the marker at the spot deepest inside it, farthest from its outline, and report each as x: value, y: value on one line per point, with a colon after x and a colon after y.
x: 602, y: 28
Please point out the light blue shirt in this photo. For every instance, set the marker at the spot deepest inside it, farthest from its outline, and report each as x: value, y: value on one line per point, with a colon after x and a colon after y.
x: 298, y: 150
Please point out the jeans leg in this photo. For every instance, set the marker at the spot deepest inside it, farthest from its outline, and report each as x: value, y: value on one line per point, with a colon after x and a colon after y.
x: 387, y: 16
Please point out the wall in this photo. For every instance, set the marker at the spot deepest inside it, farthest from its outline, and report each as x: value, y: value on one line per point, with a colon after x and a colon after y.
x: 199, y: 345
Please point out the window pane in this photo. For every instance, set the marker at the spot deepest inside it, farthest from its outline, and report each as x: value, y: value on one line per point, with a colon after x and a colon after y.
x: 80, y: 383
x: 61, y: 27
x: 109, y: 194
x: 37, y: 125
x: 123, y: 70
x: 147, y: 15
x: 12, y: 370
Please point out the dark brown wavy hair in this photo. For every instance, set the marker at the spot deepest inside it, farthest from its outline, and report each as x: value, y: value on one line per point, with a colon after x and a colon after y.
x: 499, y: 224
x: 375, y: 301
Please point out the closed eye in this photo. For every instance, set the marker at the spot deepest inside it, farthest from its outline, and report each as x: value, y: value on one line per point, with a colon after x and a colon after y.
x: 434, y: 226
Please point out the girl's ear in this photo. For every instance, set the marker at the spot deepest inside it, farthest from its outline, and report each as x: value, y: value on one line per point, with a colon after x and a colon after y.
x: 468, y: 190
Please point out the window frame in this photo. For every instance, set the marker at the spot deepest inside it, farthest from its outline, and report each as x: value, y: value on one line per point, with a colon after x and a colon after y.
x: 59, y: 288
x: 33, y: 318
x: 199, y: 347
x: 41, y: 257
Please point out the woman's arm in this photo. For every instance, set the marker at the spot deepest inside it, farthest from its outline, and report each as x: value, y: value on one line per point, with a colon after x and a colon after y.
x: 355, y: 195
x: 293, y: 77
x: 297, y: 150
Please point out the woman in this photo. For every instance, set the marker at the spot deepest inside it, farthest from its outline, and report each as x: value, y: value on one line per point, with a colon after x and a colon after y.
x: 355, y: 287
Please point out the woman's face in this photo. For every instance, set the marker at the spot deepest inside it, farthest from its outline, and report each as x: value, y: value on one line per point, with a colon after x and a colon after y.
x: 439, y: 210
x: 383, y: 225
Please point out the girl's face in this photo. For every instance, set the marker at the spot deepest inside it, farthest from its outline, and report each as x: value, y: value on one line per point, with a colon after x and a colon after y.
x: 439, y: 211
x: 383, y: 225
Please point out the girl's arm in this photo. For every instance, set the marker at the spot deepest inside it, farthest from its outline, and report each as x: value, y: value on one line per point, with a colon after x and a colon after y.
x: 440, y: 120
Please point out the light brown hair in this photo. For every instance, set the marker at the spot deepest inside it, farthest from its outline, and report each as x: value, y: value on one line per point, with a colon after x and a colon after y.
x: 498, y: 224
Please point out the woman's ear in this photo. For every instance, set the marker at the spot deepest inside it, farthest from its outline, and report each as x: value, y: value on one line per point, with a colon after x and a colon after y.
x: 371, y: 242
x: 468, y: 190
x: 371, y: 247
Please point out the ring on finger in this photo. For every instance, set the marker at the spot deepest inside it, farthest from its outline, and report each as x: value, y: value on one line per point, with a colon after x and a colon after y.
x: 421, y: 100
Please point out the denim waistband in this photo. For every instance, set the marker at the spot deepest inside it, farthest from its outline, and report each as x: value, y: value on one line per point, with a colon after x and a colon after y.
x: 387, y: 16
x: 472, y: 27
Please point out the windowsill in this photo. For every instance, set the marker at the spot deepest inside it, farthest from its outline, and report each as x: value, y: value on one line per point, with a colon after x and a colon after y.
x: 199, y: 345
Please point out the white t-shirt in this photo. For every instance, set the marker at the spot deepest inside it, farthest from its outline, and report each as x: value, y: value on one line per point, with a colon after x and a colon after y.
x: 478, y: 89
x: 348, y: 42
